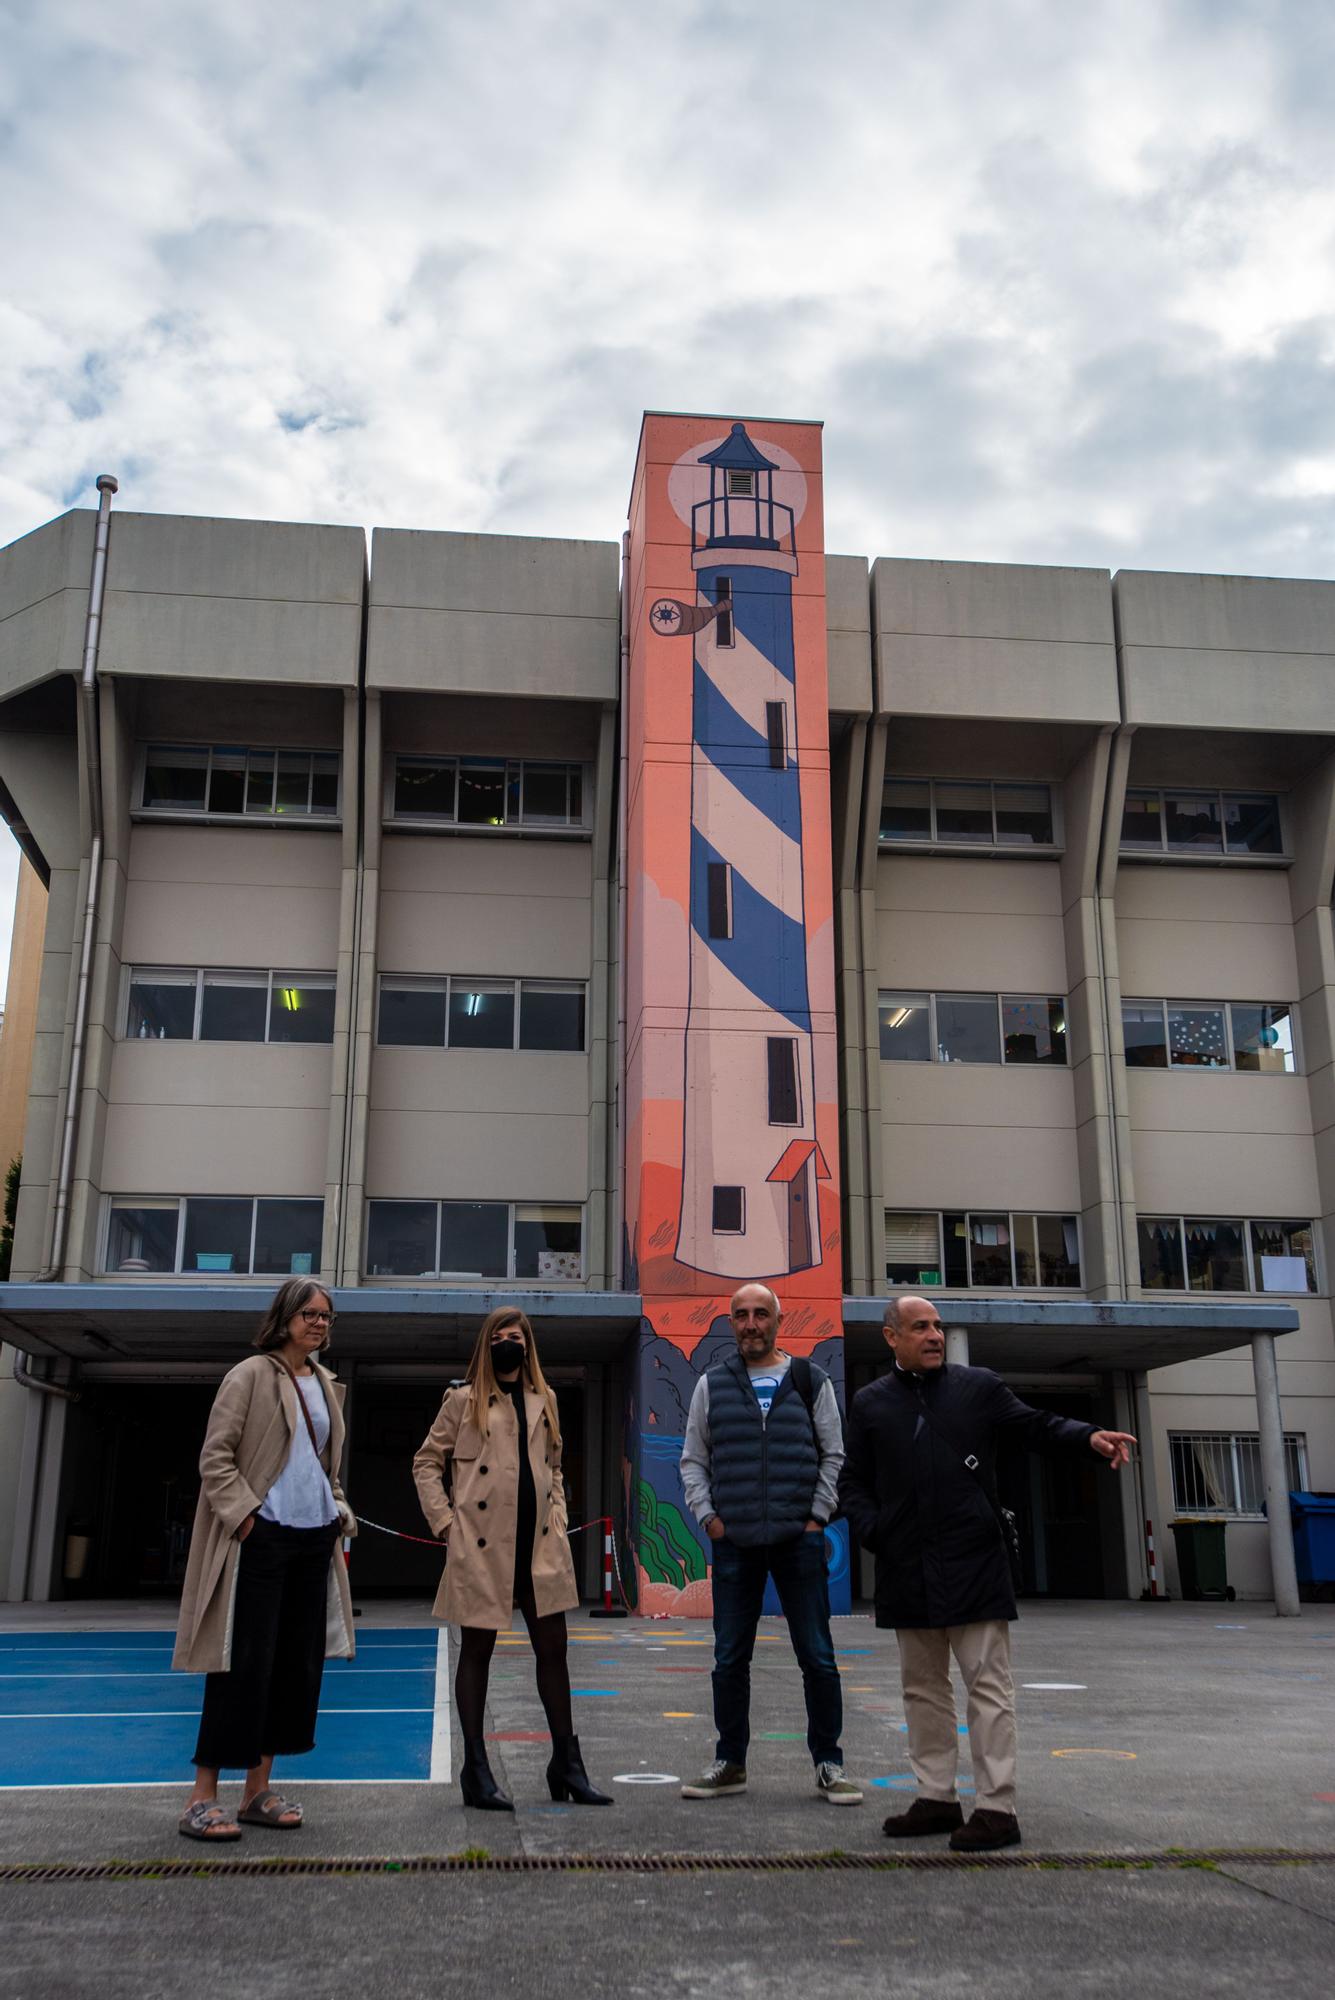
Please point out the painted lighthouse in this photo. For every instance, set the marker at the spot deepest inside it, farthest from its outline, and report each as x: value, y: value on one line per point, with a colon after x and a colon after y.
x: 751, y: 1161
x: 730, y: 1104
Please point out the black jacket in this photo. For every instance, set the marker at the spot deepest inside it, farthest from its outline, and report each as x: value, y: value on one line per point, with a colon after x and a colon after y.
x: 910, y: 1498
x: 763, y: 1469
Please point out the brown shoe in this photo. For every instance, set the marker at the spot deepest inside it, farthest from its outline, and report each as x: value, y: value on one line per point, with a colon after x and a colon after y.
x: 925, y: 1816
x: 985, y: 1831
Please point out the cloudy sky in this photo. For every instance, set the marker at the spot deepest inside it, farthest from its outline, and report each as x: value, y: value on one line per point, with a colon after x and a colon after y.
x: 1059, y: 279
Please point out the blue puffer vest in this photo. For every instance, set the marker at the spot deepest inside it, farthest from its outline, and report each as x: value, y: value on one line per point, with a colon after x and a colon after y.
x: 762, y: 1470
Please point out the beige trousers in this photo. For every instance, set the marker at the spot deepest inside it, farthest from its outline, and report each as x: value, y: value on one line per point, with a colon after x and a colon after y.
x: 983, y: 1652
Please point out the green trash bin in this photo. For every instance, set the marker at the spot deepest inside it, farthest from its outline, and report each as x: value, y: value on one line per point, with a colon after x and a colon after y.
x: 1202, y: 1564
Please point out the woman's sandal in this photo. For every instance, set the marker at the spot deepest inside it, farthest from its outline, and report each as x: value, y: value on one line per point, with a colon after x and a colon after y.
x: 267, y: 1809
x: 198, y: 1821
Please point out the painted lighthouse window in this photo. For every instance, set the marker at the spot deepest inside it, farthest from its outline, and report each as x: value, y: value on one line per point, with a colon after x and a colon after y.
x: 741, y: 485
x: 776, y: 730
x: 720, y: 899
x: 723, y: 632
x: 781, y: 1054
x: 729, y: 1211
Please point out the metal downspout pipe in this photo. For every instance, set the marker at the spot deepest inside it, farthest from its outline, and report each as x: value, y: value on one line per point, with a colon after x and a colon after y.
x: 616, y: 1261
x: 106, y: 486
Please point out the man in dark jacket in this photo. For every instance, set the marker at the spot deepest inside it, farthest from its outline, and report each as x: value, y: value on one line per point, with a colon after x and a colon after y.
x: 918, y: 1488
x: 759, y: 1463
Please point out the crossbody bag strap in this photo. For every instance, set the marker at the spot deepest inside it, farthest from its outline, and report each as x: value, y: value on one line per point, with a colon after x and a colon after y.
x: 1007, y: 1525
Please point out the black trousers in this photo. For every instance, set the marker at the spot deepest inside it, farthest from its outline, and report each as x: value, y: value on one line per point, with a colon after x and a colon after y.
x: 265, y: 1706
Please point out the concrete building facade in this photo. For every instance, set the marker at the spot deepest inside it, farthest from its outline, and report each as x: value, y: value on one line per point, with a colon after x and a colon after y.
x: 367, y: 873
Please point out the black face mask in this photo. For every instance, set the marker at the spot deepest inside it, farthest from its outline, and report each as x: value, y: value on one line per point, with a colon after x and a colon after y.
x: 506, y: 1356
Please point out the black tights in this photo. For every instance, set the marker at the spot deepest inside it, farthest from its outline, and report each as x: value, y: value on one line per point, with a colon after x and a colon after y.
x: 476, y: 1645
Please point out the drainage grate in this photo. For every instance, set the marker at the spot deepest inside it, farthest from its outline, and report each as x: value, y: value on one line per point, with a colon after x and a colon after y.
x: 178, y: 1868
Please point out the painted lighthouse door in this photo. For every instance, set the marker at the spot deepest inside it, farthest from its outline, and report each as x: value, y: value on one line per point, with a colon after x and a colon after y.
x: 799, y: 1221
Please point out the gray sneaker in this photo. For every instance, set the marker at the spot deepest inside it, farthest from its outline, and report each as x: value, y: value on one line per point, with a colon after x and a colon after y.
x: 720, y: 1779
x: 834, y: 1786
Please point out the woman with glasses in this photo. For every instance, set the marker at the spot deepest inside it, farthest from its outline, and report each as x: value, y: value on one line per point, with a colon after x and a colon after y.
x: 266, y: 1589
x: 504, y: 1526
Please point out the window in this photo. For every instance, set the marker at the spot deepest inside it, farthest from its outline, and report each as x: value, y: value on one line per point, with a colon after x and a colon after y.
x: 973, y: 1028
x: 729, y: 1211
x: 1219, y: 1472
x: 1283, y: 1258
x: 906, y: 1027
x: 1262, y: 1037
x: 475, y: 1239
x: 1213, y: 1254
x: 973, y: 813
x: 477, y: 792
x: 776, y: 730
x: 966, y: 1028
x: 208, y: 1005
x: 482, y: 1014
x: 991, y: 1251
x: 1183, y: 821
x: 461, y: 1013
x: 781, y: 1059
x: 913, y: 1249
x: 215, y: 1234
x: 1254, y: 1036
x: 719, y: 899
x: 724, y: 634
x: 240, y: 783
x: 1032, y: 1030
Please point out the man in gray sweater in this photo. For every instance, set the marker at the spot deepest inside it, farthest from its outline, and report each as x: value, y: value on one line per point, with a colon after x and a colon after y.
x: 759, y: 1466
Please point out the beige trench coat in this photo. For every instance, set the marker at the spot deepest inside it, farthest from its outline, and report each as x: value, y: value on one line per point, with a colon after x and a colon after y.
x: 251, y: 1427
x: 479, y: 1523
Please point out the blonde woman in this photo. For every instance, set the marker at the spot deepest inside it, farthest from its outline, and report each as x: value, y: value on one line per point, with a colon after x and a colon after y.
x: 266, y: 1589
x: 497, y: 1443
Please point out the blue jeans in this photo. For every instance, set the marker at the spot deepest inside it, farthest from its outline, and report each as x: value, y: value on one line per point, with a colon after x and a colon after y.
x: 798, y: 1569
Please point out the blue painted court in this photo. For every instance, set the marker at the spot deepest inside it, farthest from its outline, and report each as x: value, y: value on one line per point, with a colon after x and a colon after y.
x: 104, y: 1708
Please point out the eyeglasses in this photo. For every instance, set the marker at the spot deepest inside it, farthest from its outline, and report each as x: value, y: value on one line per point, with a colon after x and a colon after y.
x: 316, y: 1318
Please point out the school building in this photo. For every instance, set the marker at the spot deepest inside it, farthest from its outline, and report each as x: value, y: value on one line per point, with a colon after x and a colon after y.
x: 467, y: 918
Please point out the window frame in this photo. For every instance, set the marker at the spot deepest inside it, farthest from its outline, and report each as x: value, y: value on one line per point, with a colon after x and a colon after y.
x: 1229, y: 1068
x: 933, y: 843
x: 1295, y: 1442
x: 1184, y: 852
x: 902, y: 996
x: 579, y: 770
x: 276, y: 977
x: 113, y: 1202
x: 246, y: 817
x: 441, y: 983
x: 437, y: 1276
x: 991, y: 1215
x: 1247, y: 1224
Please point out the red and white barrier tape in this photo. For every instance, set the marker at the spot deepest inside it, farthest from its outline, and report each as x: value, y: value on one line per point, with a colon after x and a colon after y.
x: 430, y: 1542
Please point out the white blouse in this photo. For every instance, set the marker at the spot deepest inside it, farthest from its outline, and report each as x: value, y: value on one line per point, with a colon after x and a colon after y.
x: 301, y: 1496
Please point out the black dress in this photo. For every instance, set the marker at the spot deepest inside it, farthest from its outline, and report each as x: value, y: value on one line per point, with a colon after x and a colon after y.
x: 526, y: 1512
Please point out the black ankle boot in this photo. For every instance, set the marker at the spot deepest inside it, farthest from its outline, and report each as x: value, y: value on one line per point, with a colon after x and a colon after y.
x: 567, y: 1777
x: 476, y: 1782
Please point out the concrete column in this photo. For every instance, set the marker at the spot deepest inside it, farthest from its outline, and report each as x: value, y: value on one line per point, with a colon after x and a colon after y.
x: 957, y: 1346
x: 1274, y: 1477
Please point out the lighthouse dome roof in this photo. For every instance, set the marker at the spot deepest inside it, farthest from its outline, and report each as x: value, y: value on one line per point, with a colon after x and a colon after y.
x: 738, y: 452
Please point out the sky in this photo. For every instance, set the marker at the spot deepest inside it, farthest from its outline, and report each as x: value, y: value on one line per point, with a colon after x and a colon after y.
x: 1059, y: 279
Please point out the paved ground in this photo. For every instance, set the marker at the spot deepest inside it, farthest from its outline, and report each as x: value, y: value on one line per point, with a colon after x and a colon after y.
x: 1144, y: 1728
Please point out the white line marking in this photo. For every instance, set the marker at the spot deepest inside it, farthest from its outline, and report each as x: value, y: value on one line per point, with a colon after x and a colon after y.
x: 170, y: 1676
x: 440, y: 1719
x: 175, y: 1784
x: 130, y: 1714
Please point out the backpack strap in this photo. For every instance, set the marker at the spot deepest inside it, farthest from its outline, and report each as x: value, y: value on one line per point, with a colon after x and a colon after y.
x: 804, y: 1382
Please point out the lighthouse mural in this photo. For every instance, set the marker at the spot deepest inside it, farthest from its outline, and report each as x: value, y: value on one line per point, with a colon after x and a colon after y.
x: 747, y: 1201
x: 729, y: 1109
